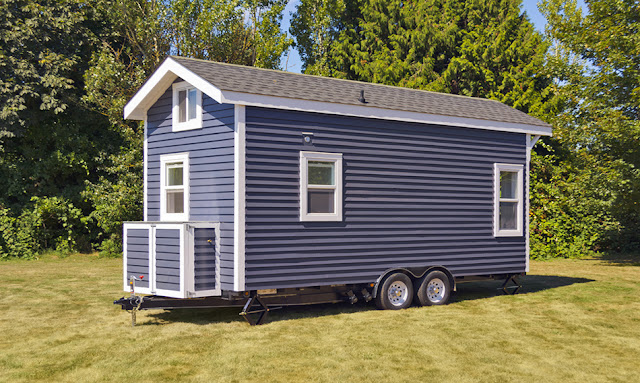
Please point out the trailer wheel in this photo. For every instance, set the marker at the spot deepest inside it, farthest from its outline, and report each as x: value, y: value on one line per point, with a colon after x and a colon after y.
x: 396, y: 292
x: 433, y: 289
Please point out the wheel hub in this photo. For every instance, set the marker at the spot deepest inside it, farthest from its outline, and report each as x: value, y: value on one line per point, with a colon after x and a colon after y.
x: 398, y: 293
x: 435, y: 290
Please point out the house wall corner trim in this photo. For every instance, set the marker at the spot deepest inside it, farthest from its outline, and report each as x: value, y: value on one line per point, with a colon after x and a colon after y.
x: 239, y: 198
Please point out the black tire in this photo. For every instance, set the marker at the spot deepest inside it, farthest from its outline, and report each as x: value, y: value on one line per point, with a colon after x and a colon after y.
x: 433, y: 289
x: 395, y: 292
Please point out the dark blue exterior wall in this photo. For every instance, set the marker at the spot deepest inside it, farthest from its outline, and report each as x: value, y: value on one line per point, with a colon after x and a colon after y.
x: 414, y: 195
x: 211, y: 168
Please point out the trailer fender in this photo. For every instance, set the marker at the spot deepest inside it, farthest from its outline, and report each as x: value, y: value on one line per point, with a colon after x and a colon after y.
x: 414, y: 273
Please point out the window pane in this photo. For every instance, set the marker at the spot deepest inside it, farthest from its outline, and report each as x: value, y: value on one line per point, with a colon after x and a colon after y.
x: 508, y: 215
x: 182, y: 106
x: 321, y: 201
x: 175, y: 201
x: 192, y: 104
x: 321, y: 173
x: 174, y: 174
x: 508, y: 184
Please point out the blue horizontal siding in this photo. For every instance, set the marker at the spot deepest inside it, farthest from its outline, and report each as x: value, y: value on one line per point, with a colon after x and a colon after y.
x: 211, y: 173
x: 414, y: 195
x: 138, y: 255
x: 205, y: 259
x: 168, y: 252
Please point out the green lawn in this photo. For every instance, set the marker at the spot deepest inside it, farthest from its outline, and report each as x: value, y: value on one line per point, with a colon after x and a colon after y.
x: 575, y: 321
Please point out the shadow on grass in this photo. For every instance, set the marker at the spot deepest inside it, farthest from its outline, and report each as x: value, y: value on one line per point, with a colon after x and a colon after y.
x: 465, y: 292
x: 530, y: 284
x: 232, y: 314
x: 620, y: 259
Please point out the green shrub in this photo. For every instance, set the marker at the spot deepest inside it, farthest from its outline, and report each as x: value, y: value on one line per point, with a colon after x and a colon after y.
x: 117, y: 198
x: 15, y: 241
x: 571, y: 211
x: 111, y: 247
x: 54, y: 223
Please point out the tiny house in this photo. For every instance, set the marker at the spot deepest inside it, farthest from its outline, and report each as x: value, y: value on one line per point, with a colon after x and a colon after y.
x: 266, y: 183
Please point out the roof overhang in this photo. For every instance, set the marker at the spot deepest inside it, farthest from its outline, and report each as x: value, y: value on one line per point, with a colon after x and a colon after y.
x: 170, y: 69
x: 157, y: 84
x: 377, y: 113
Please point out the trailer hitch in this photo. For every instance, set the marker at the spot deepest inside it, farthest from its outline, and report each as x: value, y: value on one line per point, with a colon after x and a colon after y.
x: 133, y: 302
x: 129, y: 303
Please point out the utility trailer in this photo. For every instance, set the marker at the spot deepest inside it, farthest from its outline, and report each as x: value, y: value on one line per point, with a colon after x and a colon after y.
x: 265, y: 188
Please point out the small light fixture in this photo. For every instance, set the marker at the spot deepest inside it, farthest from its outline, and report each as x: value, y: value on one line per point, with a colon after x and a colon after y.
x: 307, y: 138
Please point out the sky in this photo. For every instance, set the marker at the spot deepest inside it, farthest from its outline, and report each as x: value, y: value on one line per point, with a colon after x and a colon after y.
x: 292, y: 62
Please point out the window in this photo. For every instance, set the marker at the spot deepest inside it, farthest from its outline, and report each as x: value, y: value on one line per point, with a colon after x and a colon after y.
x: 508, y: 207
x: 174, y: 187
x: 320, y: 186
x: 187, y: 107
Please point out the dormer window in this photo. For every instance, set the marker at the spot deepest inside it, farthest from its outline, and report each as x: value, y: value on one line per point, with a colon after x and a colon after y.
x: 187, y: 107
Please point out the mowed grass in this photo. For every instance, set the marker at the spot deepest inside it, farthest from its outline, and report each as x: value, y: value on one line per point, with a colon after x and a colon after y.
x: 575, y: 321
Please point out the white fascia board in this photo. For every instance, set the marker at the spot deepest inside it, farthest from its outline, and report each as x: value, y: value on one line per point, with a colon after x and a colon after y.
x: 157, y: 84
x: 378, y: 113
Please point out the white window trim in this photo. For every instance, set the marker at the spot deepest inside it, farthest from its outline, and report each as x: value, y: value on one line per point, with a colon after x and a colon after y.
x: 168, y: 158
x: 305, y: 157
x: 196, y: 123
x: 497, y: 168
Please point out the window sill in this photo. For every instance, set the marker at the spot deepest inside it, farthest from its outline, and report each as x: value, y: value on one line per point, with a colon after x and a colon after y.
x: 192, y: 125
x: 174, y: 217
x: 508, y: 233
x: 320, y: 218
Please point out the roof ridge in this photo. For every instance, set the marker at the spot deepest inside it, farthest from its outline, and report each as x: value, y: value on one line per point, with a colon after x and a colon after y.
x: 342, y: 79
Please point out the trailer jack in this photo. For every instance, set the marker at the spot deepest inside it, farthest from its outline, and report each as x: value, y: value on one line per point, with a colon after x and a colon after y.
x: 256, y: 307
x: 511, y: 290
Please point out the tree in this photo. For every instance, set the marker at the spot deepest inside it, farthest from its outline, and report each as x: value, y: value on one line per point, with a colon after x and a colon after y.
x: 476, y: 48
x: 67, y: 68
x: 48, y: 138
x: 51, y: 143
x: 316, y: 26
x: 143, y: 33
x: 42, y: 46
x: 595, y: 59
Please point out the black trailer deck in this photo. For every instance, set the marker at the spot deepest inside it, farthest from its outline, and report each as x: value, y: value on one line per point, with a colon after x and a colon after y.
x: 257, y: 304
x: 255, y: 307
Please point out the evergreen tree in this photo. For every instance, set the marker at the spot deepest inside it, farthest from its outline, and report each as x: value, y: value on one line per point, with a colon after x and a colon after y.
x: 316, y: 26
x: 475, y: 48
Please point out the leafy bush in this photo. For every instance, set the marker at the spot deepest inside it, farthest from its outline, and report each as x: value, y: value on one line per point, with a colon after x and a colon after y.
x: 14, y: 240
x: 117, y: 201
x: 54, y: 223
x: 572, y: 201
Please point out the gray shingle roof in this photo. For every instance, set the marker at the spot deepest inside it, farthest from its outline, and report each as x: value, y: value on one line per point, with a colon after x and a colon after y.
x: 268, y: 82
